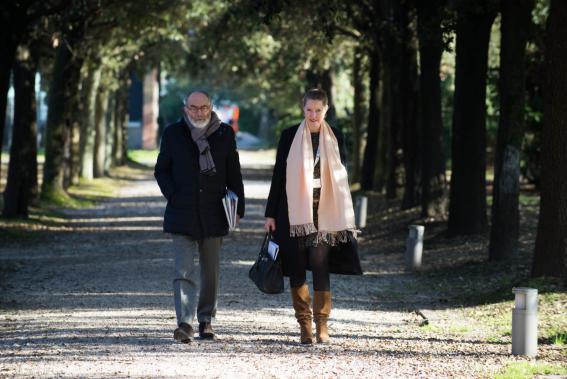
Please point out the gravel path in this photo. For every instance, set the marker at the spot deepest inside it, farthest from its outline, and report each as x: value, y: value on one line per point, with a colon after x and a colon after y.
x: 94, y: 299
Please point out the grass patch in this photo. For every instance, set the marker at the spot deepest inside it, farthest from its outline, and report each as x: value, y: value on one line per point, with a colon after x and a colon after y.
x: 428, y: 327
x: 460, y: 329
x: 559, y: 338
x: 552, y: 324
x: 144, y: 157
x: 52, y: 200
x: 96, y: 189
x: 520, y: 370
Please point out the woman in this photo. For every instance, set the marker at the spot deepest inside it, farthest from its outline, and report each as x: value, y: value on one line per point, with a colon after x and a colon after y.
x: 310, y: 212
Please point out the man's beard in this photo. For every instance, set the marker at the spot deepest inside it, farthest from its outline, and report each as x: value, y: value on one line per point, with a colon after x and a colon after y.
x: 200, y: 124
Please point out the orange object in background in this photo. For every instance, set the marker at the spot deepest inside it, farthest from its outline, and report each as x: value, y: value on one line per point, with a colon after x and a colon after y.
x: 229, y: 113
x: 235, y: 114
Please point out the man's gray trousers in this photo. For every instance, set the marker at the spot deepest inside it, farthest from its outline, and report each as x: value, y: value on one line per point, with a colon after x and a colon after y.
x: 186, y: 277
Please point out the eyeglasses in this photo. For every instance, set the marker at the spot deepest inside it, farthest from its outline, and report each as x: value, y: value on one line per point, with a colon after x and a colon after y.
x: 194, y: 109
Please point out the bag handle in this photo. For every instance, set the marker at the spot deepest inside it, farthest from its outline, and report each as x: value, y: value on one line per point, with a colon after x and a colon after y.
x: 267, y: 237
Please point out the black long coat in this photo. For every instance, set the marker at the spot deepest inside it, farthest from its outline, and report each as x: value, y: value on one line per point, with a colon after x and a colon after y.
x: 194, y: 200
x: 343, y: 258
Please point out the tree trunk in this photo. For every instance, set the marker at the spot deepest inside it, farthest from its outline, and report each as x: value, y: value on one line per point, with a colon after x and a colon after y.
x: 383, y: 103
x: 391, y: 117
x: 8, y: 46
x: 117, y: 146
x: 266, y: 128
x: 56, y: 128
x: 504, y: 232
x: 467, y: 208
x: 78, y: 112
x: 371, y: 149
x: 409, y: 107
x: 550, y: 256
x: 110, y: 130
x: 90, y: 90
x: 72, y: 123
x: 433, y: 182
x: 125, y: 119
x: 21, y: 187
x: 101, y: 105
x: 358, y: 112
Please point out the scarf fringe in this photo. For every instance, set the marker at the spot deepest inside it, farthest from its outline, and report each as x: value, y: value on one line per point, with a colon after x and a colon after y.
x: 302, y: 230
x: 330, y: 238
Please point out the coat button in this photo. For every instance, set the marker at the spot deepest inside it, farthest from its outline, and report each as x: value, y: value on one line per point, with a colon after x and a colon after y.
x: 200, y: 190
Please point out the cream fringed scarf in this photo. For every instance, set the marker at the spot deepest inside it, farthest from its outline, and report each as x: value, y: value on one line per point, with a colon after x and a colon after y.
x: 336, y: 214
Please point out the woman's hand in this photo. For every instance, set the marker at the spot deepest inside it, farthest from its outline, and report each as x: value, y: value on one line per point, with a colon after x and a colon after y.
x: 270, y: 224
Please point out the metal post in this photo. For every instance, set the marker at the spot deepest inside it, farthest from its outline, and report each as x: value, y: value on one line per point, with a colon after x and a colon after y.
x: 524, y: 322
x: 414, y: 247
x: 361, y: 211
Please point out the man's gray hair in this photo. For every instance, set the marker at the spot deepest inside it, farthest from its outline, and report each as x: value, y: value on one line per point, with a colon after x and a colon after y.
x: 198, y: 90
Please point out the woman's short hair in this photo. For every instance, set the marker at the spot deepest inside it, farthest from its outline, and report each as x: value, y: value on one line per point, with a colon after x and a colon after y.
x: 316, y: 94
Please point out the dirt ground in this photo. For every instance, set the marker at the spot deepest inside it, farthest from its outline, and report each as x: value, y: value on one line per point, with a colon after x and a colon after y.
x: 89, y: 294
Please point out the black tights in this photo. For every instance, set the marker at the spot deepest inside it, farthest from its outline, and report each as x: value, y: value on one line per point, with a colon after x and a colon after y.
x: 319, y: 263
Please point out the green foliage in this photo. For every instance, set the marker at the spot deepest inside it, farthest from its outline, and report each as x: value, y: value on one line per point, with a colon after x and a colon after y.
x: 143, y: 157
x: 519, y: 370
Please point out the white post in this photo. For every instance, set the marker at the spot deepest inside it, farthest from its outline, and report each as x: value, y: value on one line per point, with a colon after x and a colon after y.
x: 361, y: 211
x: 414, y: 247
x: 524, y: 322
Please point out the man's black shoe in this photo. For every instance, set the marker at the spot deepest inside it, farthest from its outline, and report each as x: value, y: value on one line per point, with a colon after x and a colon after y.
x: 206, y: 331
x: 184, y: 333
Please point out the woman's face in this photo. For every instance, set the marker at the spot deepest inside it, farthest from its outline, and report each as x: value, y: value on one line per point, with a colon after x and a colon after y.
x: 314, y: 112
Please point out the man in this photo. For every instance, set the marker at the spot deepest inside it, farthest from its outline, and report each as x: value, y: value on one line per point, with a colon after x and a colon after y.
x: 197, y: 162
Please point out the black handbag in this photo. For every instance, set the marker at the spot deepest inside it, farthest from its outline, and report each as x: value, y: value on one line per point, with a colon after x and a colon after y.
x: 265, y: 272
x: 344, y: 258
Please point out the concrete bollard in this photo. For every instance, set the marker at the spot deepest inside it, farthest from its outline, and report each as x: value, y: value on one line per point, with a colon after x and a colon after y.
x: 524, y: 322
x: 414, y: 247
x: 361, y: 211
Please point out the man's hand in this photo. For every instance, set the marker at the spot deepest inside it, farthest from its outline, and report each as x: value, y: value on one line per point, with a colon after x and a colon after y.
x: 270, y: 224
x: 237, y: 220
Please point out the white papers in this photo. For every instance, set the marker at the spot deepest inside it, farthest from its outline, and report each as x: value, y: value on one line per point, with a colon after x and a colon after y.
x: 273, y: 249
x: 230, y: 204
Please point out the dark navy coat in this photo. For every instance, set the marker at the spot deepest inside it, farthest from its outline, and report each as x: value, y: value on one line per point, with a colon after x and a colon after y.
x: 194, y: 200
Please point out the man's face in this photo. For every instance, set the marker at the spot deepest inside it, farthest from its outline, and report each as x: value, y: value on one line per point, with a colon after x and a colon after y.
x: 198, y: 109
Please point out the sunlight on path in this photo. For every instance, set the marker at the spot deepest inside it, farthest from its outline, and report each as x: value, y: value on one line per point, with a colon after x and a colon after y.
x: 95, y: 299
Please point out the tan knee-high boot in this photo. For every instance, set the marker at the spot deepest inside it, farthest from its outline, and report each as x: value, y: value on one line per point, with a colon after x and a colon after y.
x: 302, y: 305
x: 321, y: 312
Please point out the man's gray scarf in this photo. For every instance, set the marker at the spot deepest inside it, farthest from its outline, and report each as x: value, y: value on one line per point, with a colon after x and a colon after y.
x: 199, y: 135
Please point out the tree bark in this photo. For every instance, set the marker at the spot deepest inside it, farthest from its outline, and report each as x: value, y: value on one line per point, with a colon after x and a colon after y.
x: 8, y: 46
x: 411, y: 135
x: 358, y: 112
x: 504, y: 232
x: 90, y: 90
x: 22, y: 187
x: 371, y: 149
x: 550, y: 256
x: 110, y: 130
x: 72, y: 124
x: 467, y: 208
x: 391, y: 105
x: 101, y: 105
x: 56, y: 128
x: 433, y: 181
x: 383, y: 144
x: 124, y: 120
